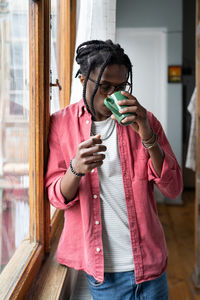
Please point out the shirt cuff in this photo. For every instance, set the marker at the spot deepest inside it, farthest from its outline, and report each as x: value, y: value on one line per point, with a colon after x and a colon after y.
x: 57, y: 199
x: 169, y: 166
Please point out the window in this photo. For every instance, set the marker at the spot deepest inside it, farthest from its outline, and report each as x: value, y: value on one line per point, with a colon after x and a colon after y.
x: 22, y: 64
x: 14, y: 129
x: 24, y: 120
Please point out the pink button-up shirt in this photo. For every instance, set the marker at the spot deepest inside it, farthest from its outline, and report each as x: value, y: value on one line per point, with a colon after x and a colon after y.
x: 80, y: 245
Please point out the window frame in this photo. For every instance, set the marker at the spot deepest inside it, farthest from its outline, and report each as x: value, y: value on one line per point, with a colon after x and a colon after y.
x: 21, y: 270
x: 67, y: 36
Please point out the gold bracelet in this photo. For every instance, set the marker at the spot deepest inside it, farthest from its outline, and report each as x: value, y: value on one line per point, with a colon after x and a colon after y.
x: 149, y: 140
x: 149, y: 146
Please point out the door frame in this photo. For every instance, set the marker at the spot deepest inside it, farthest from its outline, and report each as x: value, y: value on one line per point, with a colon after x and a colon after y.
x: 196, y: 273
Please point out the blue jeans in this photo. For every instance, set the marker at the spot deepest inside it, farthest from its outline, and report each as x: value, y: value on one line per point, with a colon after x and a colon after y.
x: 122, y: 286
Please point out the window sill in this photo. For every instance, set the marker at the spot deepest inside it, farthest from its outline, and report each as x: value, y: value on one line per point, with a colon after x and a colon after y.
x: 29, y: 275
x: 51, y: 281
x: 21, y: 268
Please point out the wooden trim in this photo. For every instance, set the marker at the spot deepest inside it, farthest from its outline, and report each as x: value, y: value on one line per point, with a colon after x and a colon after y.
x: 46, y: 117
x: 36, y: 94
x: 39, y: 114
x: 26, y: 260
x: 58, y: 216
x: 67, y: 45
x: 73, y: 35
x: 51, y: 279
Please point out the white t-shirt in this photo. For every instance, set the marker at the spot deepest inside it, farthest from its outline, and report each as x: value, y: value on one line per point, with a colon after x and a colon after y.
x: 118, y: 256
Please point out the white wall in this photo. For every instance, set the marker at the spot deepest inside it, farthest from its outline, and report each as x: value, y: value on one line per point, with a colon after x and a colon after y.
x: 150, y: 13
x: 146, y: 49
x: 165, y: 14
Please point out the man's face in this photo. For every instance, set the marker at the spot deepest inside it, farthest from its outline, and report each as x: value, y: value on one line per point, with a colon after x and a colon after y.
x: 113, y: 75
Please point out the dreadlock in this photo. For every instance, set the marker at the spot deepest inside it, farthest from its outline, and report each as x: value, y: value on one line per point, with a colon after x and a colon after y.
x: 96, y: 53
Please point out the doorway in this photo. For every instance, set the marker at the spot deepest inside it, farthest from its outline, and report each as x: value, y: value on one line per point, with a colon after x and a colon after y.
x: 146, y: 48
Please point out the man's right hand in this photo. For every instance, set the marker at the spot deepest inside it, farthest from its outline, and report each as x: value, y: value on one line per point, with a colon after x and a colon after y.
x: 89, y: 155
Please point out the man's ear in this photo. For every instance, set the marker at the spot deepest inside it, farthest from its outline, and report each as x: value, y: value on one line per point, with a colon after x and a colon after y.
x: 82, y: 78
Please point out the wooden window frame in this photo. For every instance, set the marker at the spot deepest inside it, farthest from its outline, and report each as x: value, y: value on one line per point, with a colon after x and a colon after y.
x: 22, y: 269
x: 67, y: 47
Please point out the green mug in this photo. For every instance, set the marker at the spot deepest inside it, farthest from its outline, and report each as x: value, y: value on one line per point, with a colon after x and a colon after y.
x: 112, y: 103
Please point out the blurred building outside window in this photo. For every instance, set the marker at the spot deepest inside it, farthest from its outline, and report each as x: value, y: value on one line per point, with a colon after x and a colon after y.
x: 14, y: 126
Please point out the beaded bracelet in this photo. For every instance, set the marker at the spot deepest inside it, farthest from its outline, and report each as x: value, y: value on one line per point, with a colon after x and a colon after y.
x: 74, y: 172
x: 149, y: 146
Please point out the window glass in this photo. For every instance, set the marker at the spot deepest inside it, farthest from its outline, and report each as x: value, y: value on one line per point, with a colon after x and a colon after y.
x: 14, y: 127
x: 16, y: 79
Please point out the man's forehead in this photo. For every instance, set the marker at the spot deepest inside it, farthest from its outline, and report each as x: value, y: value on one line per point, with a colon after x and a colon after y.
x: 112, y: 73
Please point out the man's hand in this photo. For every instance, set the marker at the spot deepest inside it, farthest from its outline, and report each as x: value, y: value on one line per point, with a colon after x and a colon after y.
x: 140, y: 122
x: 88, y: 155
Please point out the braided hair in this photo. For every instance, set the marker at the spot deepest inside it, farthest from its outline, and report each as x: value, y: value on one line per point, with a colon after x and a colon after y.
x: 96, y: 53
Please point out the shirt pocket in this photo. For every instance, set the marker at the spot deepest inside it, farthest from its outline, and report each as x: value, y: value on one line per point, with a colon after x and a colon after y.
x: 141, y: 168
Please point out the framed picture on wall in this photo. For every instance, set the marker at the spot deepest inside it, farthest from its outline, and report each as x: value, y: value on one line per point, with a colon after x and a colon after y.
x: 174, y: 74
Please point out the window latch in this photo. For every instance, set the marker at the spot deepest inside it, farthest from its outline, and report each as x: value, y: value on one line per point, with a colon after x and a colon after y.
x: 56, y: 84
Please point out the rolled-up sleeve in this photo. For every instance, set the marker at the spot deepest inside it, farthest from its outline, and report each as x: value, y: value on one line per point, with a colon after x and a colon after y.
x: 170, y: 182
x: 56, y: 168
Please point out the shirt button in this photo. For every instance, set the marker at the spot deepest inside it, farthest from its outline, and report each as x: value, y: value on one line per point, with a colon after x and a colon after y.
x: 87, y: 121
x: 95, y: 196
x: 92, y: 171
x: 97, y: 222
x: 98, y: 249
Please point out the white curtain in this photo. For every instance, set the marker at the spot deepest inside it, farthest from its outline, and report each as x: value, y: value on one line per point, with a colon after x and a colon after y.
x: 191, y: 152
x: 95, y: 20
x: 55, y: 97
x: 55, y: 102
